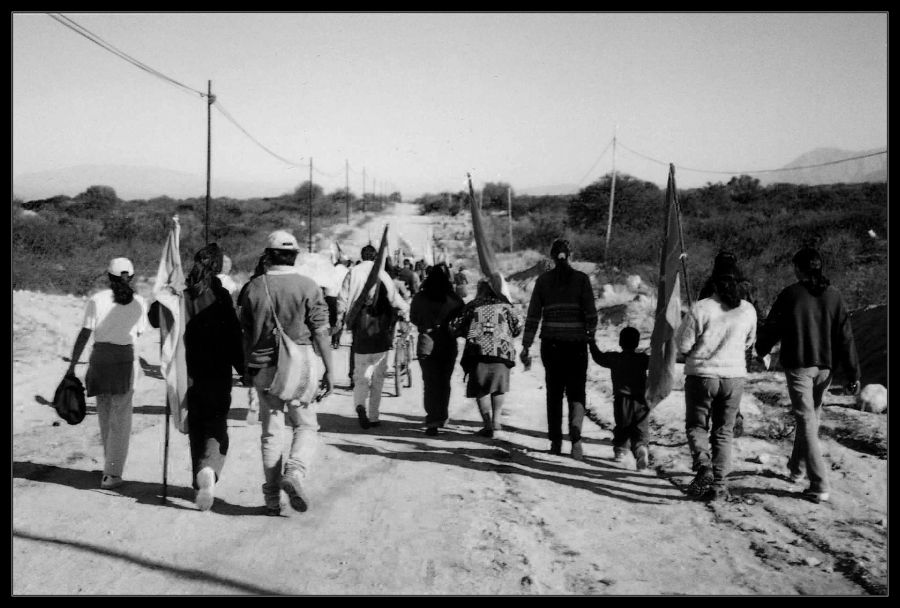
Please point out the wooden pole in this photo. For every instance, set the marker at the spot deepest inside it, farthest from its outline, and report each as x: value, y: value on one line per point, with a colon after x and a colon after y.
x: 210, y: 100
x: 309, y: 207
x: 509, y: 212
x: 612, y: 197
x: 687, y: 284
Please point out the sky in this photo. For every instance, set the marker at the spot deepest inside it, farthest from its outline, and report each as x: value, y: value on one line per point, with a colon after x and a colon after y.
x: 417, y: 100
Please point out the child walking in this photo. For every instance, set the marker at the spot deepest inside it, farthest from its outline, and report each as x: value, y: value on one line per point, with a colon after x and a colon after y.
x: 628, y: 370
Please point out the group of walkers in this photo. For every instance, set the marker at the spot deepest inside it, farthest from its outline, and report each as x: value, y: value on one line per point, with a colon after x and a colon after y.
x: 221, y: 338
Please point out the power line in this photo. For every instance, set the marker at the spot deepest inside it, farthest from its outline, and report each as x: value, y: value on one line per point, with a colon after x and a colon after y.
x: 581, y: 181
x: 80, y: 29
x: 750, y: 172
x: 231, y: 119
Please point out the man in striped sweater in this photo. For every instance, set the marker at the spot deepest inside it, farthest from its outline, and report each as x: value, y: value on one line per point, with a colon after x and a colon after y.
x: 562, y: 303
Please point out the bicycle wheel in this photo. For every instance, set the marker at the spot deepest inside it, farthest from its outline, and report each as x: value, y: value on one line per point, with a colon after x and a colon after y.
x: 397, y: 367
x: 409, y: 358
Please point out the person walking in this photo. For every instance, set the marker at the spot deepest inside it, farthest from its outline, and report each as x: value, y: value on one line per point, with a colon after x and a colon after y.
x: 303, y: 316
x: 461, y: 282
x: 431, y: 310
x: 562, y: 303
x: 714, y: 336
x: 213, y: 346
x: 489, y: 324
x: 373, y: 333
x: 116, y: 317
x: 811, y: 321
x: 631, y: 413
x: 724, y: 263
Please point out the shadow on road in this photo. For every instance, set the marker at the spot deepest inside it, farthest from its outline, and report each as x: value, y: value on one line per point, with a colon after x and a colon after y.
x: 188, y: 573
x: 142, y: 492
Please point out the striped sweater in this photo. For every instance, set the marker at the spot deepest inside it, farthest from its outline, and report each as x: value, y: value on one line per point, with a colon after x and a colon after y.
x: 562, y: 303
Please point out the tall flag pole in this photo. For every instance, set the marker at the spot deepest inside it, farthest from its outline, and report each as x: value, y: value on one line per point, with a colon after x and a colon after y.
x: 661, y: 373
x: 485, y: 254
x: 371, y: 281
x: 168, y: 291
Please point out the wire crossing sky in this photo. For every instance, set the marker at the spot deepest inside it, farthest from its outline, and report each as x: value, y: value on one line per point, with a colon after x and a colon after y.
x: 418, y: 100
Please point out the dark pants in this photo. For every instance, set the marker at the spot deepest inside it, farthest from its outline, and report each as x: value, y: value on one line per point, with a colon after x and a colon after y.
x: 632, y: 423
x: 331, y: 301
x: 565, y: 367
x: 208, y: 427
x: 436, y: 372
x: 352, y: 353
x: 719, y: 399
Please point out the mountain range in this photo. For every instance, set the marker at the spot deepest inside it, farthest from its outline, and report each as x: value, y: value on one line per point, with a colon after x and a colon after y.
x: 132, y: 182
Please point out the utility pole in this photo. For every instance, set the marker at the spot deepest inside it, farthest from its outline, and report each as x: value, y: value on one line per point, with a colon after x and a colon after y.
x: 309, y: 227
x: 509, y: 212
x: 347, y: 187
x: 210, y: 100
x: 364, y: 193
x: 612, y: 197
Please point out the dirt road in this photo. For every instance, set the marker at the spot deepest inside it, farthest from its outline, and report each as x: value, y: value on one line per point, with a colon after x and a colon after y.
x: 394, y: 511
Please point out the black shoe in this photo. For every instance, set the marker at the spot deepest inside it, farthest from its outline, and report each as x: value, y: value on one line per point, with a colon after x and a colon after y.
x: 431, y: 431
x: 485, y: 432
x: 363, y: 419
x: 556, y: 447
x: 701, y: 483
x: 739, y: 425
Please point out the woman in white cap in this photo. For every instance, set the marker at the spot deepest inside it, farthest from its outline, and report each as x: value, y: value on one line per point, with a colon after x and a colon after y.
x: 116, y: 316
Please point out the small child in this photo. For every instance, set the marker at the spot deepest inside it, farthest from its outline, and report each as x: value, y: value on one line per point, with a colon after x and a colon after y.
x: 629, y: 378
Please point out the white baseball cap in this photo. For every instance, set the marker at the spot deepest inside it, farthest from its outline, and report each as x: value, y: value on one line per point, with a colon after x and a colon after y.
x: 282, y: 239
x: 119, y: 265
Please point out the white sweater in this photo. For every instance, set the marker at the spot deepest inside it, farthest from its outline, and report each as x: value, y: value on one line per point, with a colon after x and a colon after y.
x: 714, y: 340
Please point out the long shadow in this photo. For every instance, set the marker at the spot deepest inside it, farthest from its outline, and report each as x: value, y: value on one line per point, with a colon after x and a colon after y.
x: 186, y: 573
x: 153, y: 410
x: 486, y: 459
x: 141, y: 491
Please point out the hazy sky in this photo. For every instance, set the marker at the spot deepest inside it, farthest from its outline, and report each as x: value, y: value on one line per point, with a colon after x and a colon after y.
x: 418, y: 100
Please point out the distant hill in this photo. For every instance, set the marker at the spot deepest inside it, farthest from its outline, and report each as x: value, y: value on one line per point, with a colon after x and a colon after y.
x: 871, y: 169
x: 131, y: 182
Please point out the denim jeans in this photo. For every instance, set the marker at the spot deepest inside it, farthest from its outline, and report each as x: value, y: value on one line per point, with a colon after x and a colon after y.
x: 302, y: 419
x: 565, y: 373
x: 719, y: 399
x: 806, y: 387
x: 114, y: 415
x: 368, y: 378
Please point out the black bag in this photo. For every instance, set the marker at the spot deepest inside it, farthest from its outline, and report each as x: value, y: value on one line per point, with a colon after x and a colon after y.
x: 469, y: 359
x: 68, y: 401
x: 376, y: 318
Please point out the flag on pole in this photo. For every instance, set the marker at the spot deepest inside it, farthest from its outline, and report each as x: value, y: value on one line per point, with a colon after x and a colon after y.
x: 371, y: 281
x: 661, y: 372
x: 486, y: 259
x: 168, y: 291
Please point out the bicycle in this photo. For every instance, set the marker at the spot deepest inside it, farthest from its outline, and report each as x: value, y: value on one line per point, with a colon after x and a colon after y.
x: 403, y: 356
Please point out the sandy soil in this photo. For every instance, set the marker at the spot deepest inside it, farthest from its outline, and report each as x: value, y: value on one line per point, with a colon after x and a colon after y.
x: 396, y: 512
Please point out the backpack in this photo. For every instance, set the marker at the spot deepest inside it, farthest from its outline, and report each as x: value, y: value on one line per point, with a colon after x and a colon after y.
x: 376, y: 317
x: 68, y: 401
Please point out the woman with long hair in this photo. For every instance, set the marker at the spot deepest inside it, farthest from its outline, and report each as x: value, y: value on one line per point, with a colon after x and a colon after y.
x: 714, y: 336
x: 489, y: 324
x: 431, y: 310
x: 212, y: 342
x: 810, y: 320
x: 116, y: 317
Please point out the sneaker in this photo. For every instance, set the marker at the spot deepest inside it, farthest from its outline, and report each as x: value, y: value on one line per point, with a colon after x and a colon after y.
x: 619, y: 454
x: 206, y: 481
x: 111, y: 481
x: 716, y: 494
x: 363, y: 419
x: 293, y: 486
x: 642, y: 458
x: 431, y: 431
x: 273, y: 510
x: 485, y: 432
x: 701, y: 483
x: 556, y: 447
x: 816, y: 497
x: 795, y: 477
x: 577, y: 451
x: 738, y: 425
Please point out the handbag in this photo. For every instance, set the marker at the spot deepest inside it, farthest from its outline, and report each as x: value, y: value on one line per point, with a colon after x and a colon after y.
x: 424, y: 344
x: 294, y: 372
x: 68, y: 400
